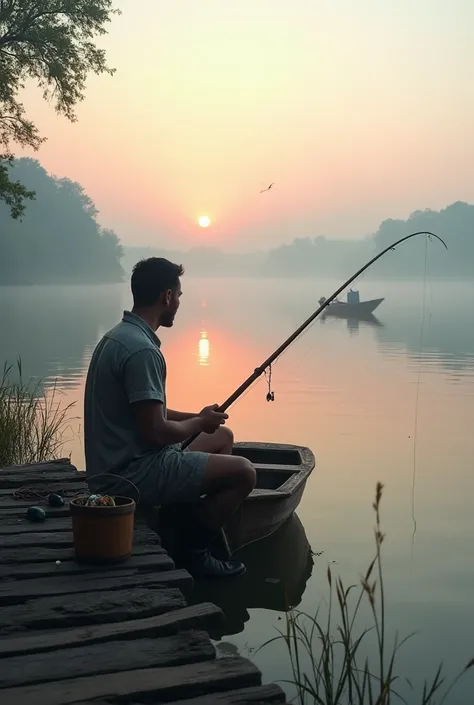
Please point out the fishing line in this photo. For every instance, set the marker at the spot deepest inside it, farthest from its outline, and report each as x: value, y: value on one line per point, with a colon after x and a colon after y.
x: 417, y: 399
x: 268, y: 375
x: 270, y: 396
x: 258, y: 371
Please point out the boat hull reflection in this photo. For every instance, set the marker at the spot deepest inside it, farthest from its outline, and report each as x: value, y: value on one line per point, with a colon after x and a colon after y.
x: 278, y: 569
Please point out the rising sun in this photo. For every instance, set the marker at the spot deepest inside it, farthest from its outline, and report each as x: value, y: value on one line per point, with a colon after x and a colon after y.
x: 204, y: 221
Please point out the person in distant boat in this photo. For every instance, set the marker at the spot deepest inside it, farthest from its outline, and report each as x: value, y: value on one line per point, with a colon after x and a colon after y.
x: 129, y: 431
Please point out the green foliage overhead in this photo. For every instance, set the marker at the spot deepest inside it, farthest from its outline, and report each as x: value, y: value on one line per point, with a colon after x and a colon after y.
x: 12, y: 192
x: 52, y: 43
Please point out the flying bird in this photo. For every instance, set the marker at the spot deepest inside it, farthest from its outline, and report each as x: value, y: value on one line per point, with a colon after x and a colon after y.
x: 268, y: 188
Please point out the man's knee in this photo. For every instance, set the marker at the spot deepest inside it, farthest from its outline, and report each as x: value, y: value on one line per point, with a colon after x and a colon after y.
x: 246, y: 475
x: 224, y: 439
x: 226, y: 472
x: 226, y: 436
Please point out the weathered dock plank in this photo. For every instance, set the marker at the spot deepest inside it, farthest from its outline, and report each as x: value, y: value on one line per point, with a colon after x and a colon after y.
x: 18, y: 508
x: 11, y: 525
x: 165, y: 684
x: 14, y: 592
x: 97, y: 659
x: 58, y: 539
x: 91, y: 608
x: 51, y: 555
x: 122, y: 633
x: 9, y: 481
x: 74, y: 486
x: 257, y: 695
x: 51, y: 539
x: 264, y: 694
x: 62, y: 464
x: 194, y: 617
x: 146, y: 563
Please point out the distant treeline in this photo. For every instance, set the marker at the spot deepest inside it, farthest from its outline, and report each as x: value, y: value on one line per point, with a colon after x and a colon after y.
x: 59, y: 239
x: 306, y: 257
x: 455, y: 224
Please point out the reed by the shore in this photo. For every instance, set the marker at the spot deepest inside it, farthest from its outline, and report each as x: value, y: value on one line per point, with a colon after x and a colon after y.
x: 342, y: 660
x: 33, y: 422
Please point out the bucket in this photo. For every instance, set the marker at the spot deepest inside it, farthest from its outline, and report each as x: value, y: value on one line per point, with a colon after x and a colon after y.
x: 103, y: 534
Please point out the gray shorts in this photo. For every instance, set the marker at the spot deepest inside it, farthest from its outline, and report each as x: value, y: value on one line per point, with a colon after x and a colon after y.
x: 169, y: 476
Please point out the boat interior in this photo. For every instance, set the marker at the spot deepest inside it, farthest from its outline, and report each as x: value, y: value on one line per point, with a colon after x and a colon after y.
x: 274, y: 466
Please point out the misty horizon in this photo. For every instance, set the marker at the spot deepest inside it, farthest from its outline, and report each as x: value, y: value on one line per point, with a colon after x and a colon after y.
x: 322, y: 99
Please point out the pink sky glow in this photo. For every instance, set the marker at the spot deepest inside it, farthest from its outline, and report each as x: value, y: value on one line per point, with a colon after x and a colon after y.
x: 358, y: 111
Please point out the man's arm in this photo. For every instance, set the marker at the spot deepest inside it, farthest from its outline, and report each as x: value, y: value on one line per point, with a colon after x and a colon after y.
x: 156, y: 430
x: 143, y: 376
x: 179, y: 415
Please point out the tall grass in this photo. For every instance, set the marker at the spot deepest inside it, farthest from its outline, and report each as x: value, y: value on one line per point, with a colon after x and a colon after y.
x: 32, y: 423
x: 344, y: 664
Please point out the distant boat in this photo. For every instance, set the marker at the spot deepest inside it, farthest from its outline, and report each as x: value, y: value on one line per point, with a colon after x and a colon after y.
x: 352, y: 308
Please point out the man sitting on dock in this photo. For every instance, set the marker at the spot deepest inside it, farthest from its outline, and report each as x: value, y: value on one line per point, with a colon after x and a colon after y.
x: 129, y: 432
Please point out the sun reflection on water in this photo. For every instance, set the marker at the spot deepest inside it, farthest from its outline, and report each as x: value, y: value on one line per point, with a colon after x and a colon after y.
x: 203, y: 349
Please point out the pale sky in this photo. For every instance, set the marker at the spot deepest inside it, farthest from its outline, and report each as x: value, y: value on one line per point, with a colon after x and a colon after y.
x: 359, y: 110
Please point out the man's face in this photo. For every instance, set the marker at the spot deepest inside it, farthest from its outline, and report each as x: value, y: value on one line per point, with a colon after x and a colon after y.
x: 171, y: 301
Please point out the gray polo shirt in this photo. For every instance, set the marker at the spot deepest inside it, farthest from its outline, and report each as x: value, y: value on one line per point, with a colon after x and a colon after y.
x: 126, y: 366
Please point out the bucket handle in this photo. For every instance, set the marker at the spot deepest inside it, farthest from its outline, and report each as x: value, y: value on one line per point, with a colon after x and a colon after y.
x: 122, y: 479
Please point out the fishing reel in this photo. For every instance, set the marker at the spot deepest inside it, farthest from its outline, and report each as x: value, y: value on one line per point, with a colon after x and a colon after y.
x: 270, y: 394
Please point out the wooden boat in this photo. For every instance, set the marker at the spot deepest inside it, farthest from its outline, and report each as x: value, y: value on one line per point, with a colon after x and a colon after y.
x: 282, y: 473
x: 352, y: 308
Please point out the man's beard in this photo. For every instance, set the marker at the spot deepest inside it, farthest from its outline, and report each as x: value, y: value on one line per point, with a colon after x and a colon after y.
x: 167, y: 320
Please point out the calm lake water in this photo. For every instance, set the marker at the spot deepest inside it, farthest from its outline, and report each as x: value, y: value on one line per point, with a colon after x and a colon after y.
x: 346, y: 390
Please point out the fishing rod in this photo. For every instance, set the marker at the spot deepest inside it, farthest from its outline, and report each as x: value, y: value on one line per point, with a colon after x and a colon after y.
x: 261, y: 369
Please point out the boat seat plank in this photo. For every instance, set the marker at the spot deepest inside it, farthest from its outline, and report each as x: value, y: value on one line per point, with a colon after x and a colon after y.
x: 90, y: 608
x: 262, y: 467
x: 202, y: 616
x: 13, y: 592
x: 97, y: 659
x: 270, y: 494
x: 165, y: 684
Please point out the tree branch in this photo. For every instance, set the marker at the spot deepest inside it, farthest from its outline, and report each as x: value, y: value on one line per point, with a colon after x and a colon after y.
x: 51, y: 42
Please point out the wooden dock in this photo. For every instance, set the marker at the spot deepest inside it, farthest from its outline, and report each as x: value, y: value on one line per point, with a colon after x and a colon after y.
x: 72, y: 633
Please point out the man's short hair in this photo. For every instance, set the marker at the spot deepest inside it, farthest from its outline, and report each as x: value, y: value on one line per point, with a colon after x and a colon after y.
x: 151, y: 277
